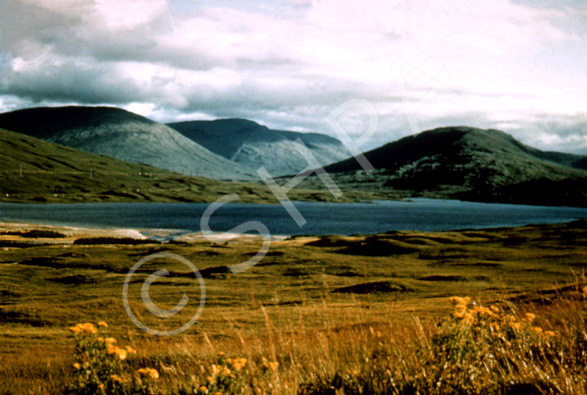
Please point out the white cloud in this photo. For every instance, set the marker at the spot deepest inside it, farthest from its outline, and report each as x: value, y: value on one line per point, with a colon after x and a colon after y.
x: 506, y: 61
x: 127, y: 14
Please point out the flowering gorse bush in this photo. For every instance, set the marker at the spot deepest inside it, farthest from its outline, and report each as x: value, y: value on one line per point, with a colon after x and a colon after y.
x: 475, y: 350
x: 100, y: 365
x: 477, y: 344
x: 233, y: 376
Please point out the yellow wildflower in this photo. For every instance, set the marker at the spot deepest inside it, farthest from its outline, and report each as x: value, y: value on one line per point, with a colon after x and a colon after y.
x: 210, y: 379
x: 103, y: 324
x: 459, y: 314
x: 584, y: 290
x: 122, y: 354
x: 237, y: 363
x: 468, y: 318
x: 130, y: 350
x: 494, y: 308
x: 221, y: 353
x: 204, y: 389
x: 116, y: 378
x: 87, y: 327
x: 226, y: 372
x: 484, y: 311
x: 537, y: 329
x: 530, y: 317
x: 101, y: 386
x: 457, y: 300
x: 77, y: 366
x: 550, y: 333
x: 110, y: 340
x: 152, y: 373
x: 271, y: 365
x: 215, y: 370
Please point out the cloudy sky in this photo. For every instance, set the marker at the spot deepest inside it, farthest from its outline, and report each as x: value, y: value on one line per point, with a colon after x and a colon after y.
x: 517, y: 65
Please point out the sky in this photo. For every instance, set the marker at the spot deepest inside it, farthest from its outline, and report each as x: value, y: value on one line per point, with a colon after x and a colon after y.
x: 377, y: 70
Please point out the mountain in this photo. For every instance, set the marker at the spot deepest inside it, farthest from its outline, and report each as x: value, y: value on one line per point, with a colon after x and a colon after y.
x: 252, y: 145
x: 37, y: 171
x: 123, y: 135
x: 470, y: 164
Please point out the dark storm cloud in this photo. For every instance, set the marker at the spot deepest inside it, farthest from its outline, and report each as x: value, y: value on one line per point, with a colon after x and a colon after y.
x: 70, y: 82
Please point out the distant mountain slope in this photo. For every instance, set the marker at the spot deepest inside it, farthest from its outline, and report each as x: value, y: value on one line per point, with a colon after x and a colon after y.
x: 455, y: 145
x: 253, y: 145
x: 122, y: 135
x: 471, y: 164
x: 33, y: 170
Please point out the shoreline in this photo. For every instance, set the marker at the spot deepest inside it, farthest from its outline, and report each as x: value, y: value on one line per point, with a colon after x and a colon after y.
x: 15, y: 231
x: 9, y: 230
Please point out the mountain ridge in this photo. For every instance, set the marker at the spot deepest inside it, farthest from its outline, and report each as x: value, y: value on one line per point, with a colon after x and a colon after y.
x: 123, y: 135
x: 252, y: 144
x: 465, y: 163
x: 433, y: 141
x: 37, y: 171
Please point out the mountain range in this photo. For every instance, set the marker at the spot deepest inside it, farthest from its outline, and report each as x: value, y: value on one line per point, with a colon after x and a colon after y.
x: 222, y: 150
x: 37, y: 171
x: 253, y: 145
x: 470, y: 164
x: 451, y: 162
x: 122, y: 135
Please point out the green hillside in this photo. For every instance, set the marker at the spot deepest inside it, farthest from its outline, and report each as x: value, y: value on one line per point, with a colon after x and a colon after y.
x: 32, y: 170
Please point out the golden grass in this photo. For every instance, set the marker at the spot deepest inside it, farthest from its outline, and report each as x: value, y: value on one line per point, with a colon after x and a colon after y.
x: 284, y: 309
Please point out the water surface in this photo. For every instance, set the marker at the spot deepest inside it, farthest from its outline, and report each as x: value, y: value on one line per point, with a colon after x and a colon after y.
x: 322, y: 218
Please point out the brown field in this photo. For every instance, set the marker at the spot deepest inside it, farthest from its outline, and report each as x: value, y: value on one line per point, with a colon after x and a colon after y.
x: 320, y: 306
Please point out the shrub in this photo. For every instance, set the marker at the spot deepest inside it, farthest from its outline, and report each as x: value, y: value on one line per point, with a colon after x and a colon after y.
x: 100, y: 365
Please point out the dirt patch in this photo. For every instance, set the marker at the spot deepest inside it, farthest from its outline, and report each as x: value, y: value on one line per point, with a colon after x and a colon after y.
x: 346, y: 273
x: 454, y: 278
x: 332, y: 241
x: 216, y: 271
x: 18, y: 317
x: 268, y: 253
x: 73, y: 255
x: 113, y: 240
x: 75, y: 279
x: 297, y: 272
x: 377, y: 246
x: 373, y: 287
x: 42, y: 261
x: 17, y: 244
x: 477, y: 264
x: 34, y: 234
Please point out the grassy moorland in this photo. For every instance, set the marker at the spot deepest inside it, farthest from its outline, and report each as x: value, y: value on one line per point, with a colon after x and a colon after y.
x: 318, y: 315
